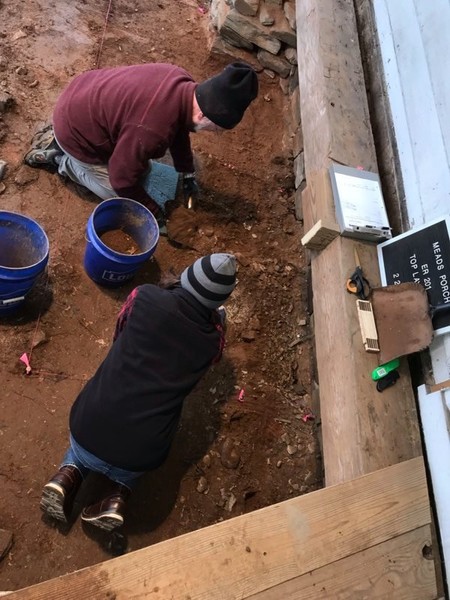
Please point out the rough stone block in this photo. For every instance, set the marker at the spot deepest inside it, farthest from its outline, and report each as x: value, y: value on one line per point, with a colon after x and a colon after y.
x: 239, y: 27
x: 291, y: 55
x: 276, y: 63
x: 297, y: 145
x: 289, y: 11
x: 266, y: 15
x: 295, y: 108
x: 217, y: 45
x: 283, y: 31
x: 246, y: 7
x: 298, y: 205
x: 299, y: 169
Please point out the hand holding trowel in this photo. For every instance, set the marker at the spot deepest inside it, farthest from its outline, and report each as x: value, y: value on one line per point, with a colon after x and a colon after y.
x: 190, y: 191
x: 182, y: 223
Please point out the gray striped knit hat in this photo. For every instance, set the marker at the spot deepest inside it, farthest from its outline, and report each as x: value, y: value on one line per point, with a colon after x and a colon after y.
x: 211, y: 279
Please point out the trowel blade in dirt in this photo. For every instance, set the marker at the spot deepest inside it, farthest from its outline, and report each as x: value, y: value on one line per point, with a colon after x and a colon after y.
x: 182, y: 227
x: 402, y: 319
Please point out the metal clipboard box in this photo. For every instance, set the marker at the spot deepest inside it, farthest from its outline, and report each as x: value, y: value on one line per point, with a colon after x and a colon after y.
x: 358, y: 199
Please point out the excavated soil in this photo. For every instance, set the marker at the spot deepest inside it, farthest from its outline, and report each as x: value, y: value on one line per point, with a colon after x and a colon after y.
x: 248, y: 437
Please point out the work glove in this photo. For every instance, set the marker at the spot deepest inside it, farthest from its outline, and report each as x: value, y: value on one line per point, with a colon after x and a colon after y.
x: 190, y: 190
x: 160, y: 219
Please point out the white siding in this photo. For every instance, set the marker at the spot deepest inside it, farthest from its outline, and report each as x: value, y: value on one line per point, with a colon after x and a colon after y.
x: 414, y: 40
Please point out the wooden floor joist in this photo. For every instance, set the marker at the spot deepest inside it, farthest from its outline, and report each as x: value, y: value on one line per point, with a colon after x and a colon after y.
x: 365, y: 535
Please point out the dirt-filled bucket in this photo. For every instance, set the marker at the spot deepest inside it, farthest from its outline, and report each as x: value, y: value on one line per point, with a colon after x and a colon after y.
x: 24, y: 251
x: 121, y: 236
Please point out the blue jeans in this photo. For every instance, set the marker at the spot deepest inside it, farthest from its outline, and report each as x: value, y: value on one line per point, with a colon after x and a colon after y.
x: 85, y: 462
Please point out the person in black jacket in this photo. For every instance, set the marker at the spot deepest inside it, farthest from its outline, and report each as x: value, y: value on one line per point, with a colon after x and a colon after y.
x: 124, y: 420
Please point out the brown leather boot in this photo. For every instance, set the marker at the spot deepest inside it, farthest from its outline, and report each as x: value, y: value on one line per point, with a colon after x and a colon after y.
x: 109, y: 512
x: 59, y: 493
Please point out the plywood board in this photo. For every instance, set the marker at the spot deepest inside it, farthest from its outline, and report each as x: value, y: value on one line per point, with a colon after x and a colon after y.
x: 252, y: 553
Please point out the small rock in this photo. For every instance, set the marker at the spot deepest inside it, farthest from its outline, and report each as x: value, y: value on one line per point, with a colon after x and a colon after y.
x: 285, y: 438
x: 39, y: 337
x: 18, y: 35
x: 2, y: 187
x: 299, y: 389
x: 6, y: 101
x: 279, y: 463
x: 292, y: 449
x: 34, y: 83
x: 249, y: 335
x: 206, y: 460
x: 3, y: 165
x: 230, y: 502
x: 208, y: 231
x: 26, y: 175
x: 202, y: 485
x: 229, y: 456
x: 21, y: 70
x: 242, y: 259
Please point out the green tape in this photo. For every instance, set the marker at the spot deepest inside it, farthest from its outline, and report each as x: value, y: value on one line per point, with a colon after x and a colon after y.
x: 383, y: 370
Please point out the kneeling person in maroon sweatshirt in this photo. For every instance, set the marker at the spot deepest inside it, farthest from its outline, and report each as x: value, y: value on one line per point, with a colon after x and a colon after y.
x: 124, y: 420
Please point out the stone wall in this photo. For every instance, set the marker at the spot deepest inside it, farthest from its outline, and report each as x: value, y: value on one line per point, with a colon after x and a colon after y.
x: 263, y: 33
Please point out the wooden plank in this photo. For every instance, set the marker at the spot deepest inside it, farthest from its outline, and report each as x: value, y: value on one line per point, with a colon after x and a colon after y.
x: 362, y: 430
x: 257, y: 551
x: 394, y: 569
x: 437, y: 387
x: 319, y: 236
x: 334, y: 110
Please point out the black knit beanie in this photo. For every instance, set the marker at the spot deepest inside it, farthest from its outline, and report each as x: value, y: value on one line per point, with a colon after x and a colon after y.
x: 224, y: 98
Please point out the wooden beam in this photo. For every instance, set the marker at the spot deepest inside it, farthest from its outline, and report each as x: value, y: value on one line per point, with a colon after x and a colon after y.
x: 334, y: 110
x: 363, y: 430
x: 252, y: 553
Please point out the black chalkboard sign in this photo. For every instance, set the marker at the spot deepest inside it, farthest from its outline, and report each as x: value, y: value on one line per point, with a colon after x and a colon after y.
x: 422, y: 255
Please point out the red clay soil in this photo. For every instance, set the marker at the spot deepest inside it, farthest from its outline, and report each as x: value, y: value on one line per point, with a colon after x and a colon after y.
x: 247, y: 438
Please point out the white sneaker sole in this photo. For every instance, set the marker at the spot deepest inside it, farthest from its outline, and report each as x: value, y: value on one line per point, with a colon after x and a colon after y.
x: 107, y: 521
x: 52, y: 501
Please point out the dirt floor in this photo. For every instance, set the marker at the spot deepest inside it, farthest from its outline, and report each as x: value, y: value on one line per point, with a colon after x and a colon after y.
x: 247, y: 438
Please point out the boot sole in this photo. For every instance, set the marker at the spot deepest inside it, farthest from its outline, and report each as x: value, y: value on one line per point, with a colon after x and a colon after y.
x: 107, y: 522
x: 52, y: 503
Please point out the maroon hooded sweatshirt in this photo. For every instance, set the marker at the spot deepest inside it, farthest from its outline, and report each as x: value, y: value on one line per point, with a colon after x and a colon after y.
x: 125, y: 116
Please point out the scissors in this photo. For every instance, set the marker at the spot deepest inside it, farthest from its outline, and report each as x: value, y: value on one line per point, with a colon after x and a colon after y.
x: 357, y: 283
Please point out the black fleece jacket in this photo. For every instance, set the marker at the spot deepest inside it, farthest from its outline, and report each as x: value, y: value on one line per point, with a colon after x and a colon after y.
x: 127, y: 414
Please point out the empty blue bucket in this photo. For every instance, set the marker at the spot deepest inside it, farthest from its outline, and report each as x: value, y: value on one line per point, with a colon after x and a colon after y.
x: 106, y: 266
x: 23, y: 256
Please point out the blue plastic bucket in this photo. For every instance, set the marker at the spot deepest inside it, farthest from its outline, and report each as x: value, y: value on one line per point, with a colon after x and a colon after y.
x: 23, y: 256
x: 106, y: 266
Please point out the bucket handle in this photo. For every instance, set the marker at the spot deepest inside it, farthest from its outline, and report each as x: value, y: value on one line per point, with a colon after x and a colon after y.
x: 11, y: 300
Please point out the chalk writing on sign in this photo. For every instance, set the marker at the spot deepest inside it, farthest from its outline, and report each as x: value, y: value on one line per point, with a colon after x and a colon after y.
x: 422, y: 256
